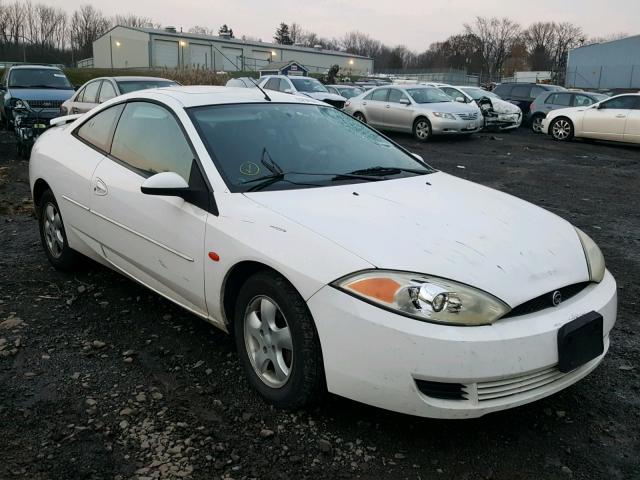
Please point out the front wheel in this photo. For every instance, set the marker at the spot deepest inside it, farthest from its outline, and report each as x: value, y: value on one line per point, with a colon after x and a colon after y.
x: 52, y: 234
x: 422, y: 130
x: 277, y: 342
x: 536, y: 123
x: 561, y: 129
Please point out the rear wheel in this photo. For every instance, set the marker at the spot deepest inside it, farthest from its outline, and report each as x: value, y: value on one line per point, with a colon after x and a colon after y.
x: 52, y: 234
x: 277, y: 342
x: 536, y: 123
x: 561, y: 129
x: 359, y: 116
x: 422, y: 129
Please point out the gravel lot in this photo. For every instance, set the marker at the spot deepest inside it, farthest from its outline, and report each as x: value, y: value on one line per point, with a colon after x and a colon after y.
x: 101, y: 379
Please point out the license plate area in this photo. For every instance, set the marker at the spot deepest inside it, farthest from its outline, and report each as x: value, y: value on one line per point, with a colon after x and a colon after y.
x: 580, y: 341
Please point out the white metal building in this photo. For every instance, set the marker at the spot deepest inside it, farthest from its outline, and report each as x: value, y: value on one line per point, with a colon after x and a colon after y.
x: 128, y: 47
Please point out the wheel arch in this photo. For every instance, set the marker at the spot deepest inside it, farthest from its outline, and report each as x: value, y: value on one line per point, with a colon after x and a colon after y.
x: 563, y: 117
x: 39, y: 187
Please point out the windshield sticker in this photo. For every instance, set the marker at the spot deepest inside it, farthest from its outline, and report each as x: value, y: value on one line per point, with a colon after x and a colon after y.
x: 249, y: 168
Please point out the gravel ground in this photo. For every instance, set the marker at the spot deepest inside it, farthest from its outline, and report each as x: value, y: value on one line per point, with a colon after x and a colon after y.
x: 101, y: 379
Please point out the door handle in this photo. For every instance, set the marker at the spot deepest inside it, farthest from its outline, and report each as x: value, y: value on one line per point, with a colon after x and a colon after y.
x: 620, y: 115
x: 387, y: 106
x: 100, y: 188
x: 364, y: 103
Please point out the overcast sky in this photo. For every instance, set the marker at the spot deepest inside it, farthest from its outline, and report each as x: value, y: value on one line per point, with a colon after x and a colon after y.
x: 414, y: 23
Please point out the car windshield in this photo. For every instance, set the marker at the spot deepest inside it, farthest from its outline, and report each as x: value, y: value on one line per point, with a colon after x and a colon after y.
x: 428, y: 95
x: 478, y: 93
x: 312, y: 145
x: 350, y: 92
x: 39, y: 78
x: 128, y: 86
x: 307, y: 84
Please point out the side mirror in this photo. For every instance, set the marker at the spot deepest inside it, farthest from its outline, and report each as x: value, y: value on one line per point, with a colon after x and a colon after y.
x: 288, y: 90
x: 168, y: 184
x: 405, y: 101
x: 461, y: 100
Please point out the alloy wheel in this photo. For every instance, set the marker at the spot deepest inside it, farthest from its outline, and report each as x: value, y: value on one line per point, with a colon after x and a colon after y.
x: 536, y: 125
x: 267, y: 338
x: 52, y: 226
x: 422, y: 130
x: 561, y: 129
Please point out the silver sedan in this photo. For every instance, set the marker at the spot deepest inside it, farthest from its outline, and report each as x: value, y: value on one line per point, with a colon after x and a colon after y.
x: 422, y: 111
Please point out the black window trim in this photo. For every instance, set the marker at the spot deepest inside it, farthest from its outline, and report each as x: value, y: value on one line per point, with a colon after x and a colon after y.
x: 95, y: 100
x: 210, y: 205
x: 105, y: 80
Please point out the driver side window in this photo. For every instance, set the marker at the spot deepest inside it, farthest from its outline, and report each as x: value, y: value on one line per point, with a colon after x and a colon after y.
x: 621, y: 103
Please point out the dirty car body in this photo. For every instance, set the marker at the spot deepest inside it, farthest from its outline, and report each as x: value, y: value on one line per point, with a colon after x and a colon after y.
x: 305, y: 232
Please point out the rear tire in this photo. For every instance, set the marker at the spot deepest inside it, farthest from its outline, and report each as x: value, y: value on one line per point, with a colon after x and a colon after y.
x: 277, y: 342
x: 53, y: 235
x: 561, y: 129
x: 422, y: 129
x: 536, y: 123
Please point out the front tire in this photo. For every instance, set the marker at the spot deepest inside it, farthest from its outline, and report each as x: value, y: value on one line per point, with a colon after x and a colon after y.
x: 536, y: 123
x: 360, y: 117
x: 277, y: 342
x: 53, y: 235
x: 422, y: 129
x: 561, y: 129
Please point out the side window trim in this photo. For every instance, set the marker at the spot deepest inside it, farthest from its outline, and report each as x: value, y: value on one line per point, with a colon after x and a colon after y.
x: 75, y: 134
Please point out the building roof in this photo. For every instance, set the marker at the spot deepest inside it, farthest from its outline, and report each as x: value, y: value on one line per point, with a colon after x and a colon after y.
x: 633, y: 37
x: 236, y: 41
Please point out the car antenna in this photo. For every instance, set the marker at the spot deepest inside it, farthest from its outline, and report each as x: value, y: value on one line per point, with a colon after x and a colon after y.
x: 266, y: 97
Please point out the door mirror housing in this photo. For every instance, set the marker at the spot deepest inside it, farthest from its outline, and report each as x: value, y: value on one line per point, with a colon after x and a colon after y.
x: 168, y: 184
x: 405, y: 101
x: 288, y: 90
x: 460, y: 100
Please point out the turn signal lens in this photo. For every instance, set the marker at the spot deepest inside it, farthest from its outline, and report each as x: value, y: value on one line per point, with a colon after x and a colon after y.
x: 595, y: 259
x: 424, y: 297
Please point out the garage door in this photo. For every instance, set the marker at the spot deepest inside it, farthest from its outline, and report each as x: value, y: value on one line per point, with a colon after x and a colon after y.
x: 200, y: 55
x: 165, y: 54
x: 232, y: 59
x: 259, y: 58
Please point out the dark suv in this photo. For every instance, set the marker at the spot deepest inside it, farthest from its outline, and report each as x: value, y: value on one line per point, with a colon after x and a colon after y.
x: 523, y: 94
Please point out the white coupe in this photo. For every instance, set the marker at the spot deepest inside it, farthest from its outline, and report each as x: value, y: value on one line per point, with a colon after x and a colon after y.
x: 616, y: 119
x: 337, y: 259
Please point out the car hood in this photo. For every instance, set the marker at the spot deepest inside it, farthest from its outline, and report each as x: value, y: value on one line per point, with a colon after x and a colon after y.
x: 448, y: 107
x: 325, y: 96
x: 40, y: 93
x: 443, y: 226
x: 502, y: 106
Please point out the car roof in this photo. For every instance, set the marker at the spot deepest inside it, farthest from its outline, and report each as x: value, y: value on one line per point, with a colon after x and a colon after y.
x: 200, y: 95
x: 125, y: 78
x: 33, y: 67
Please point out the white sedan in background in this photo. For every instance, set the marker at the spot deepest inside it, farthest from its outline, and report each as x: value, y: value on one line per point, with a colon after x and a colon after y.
x: 422, y: 111
x: 616, y: 119
x: 338, y: 260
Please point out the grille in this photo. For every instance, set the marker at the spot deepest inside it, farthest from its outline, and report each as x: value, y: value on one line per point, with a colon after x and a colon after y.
x: 44, y: 103
x: 468, y: 116
x: 544, y: 301
x: 516, y: 385
x: 446, y: 391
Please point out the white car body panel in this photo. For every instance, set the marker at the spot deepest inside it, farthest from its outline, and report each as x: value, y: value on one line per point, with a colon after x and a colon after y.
x: 435, y: 224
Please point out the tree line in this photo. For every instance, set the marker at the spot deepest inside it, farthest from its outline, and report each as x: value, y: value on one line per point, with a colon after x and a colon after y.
x: 489, y: 46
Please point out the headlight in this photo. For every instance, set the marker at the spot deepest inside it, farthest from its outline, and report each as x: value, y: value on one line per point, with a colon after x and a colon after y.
x: 19, y: 104
x: 450, y: 116
x: 424, y: 297
x: 595, y: 259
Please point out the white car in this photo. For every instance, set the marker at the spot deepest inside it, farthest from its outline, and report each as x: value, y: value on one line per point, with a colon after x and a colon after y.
x: 339, y: 260
x: 498, y: 114
x: 616, y: 119
x: 299, y: 85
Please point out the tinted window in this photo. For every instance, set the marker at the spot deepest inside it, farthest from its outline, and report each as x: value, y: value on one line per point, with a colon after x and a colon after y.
x: 107, y: 92
x: 98, y: 130
x: 428, y: 95
x: 135, y: 85
x: 380, y: 95
x: 149, y: 139
x: 307, y: 84
x: 521, y: 91
x: 502, y: 90
x: 624, y: 103
x: 91, y: 92
x: 38, y: 78
x: 536, y: 90
x: 396, y: 95
x: 562, y: 99
x: 582, y: 100
x: 350, y: 92
x: 284, y: 85
x: 272, y: 84
x: 316, y: 142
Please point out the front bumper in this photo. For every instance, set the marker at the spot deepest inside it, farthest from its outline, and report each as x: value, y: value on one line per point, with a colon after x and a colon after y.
x: 503, y: 121
x: 375, y: 357
x: 445, y: 126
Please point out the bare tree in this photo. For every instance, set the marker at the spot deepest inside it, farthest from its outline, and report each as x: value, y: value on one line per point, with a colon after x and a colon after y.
x: 539, y: 39
x: 360, y: 43
x: 567, y: 36
x: 132, y: 20
x: 295, y: 32
x: 87, y: 24
x: 495, y: 38
x: 606, y: 38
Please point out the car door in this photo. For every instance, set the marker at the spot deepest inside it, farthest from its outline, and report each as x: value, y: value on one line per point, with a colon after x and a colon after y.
x: 374, y: 107
x: 607, y: 120
x: 88, y: 98
x: 157, y: 240
x: 632, y: 127
x: 398, y: 115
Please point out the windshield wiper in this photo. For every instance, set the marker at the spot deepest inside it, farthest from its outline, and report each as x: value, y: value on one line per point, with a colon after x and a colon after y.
x: 263, y: 182
x: 379, y: 170
x: 60, y: 87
